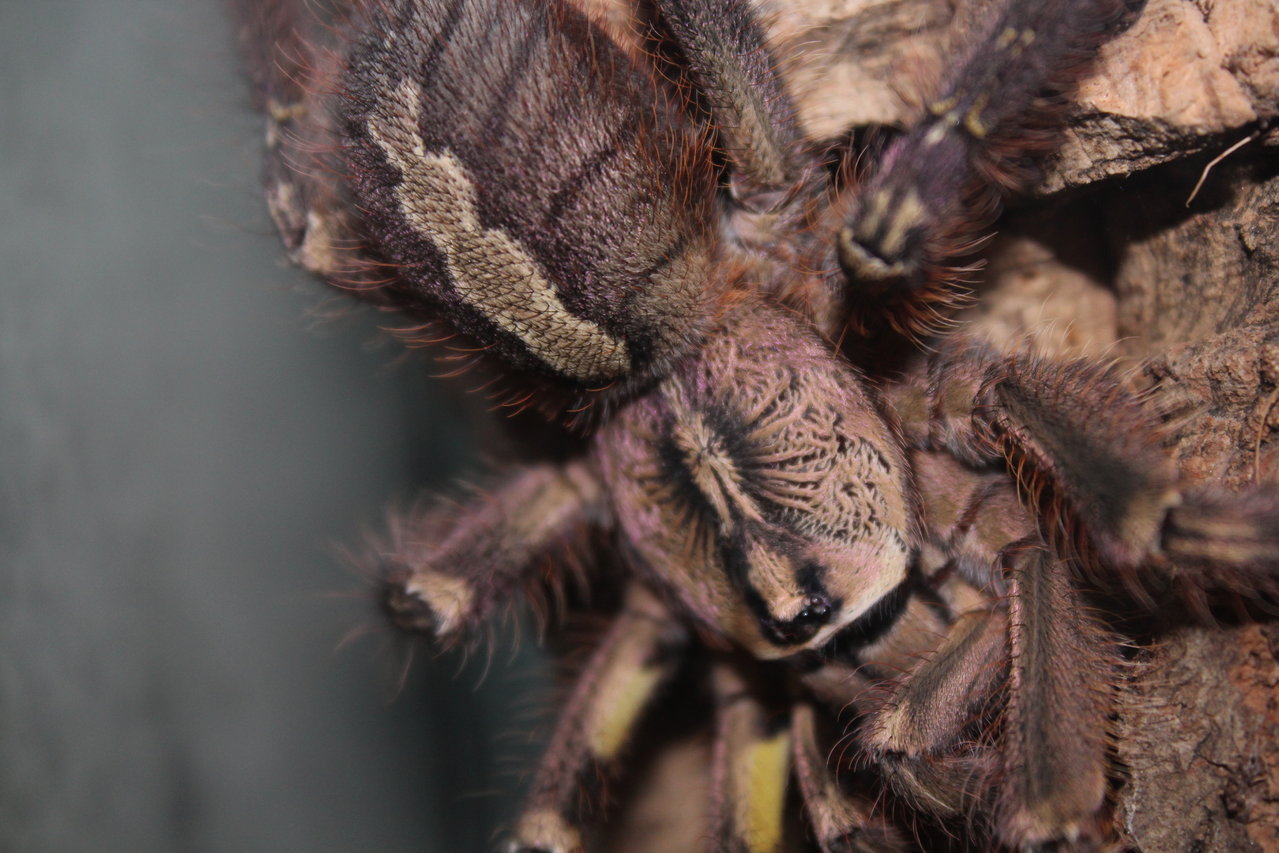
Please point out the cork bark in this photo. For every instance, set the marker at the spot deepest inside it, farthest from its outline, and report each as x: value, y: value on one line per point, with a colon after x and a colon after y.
x: 1109, y: 256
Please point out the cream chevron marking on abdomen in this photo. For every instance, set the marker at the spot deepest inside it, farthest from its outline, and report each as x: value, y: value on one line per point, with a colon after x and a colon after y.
x: 490, y: 270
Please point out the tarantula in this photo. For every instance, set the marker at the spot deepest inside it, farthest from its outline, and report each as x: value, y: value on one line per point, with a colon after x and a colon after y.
x: 857, y: 537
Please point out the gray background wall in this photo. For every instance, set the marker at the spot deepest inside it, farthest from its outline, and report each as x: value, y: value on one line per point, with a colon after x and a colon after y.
x: 179, y: 450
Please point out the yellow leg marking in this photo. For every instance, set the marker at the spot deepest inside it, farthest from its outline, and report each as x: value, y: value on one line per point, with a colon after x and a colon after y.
x: 908, y: 214
x: 940, y: 108
x: 629, y: 676
x: 280, y: 113
x: 490, y: 270
x: 1018, y: 41
x: 763, y: 769
x: 938, y: 131
x: 626, y: 691
x: 972, y: 120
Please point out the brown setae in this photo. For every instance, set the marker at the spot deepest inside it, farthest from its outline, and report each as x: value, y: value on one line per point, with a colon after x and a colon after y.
x: 897, y: 546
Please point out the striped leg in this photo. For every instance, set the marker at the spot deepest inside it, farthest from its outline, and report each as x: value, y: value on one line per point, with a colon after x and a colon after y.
x: 925, y: 204
x: 932, y: 735
x: 751, y: 769
x: 924, y: 728
x: 447, y: 569
x: 842, y: 823
x: 1089, y: 454
x: 636, y: 656
x: 930, y: 709
x: 1054, y: 728
x: 723, y: 44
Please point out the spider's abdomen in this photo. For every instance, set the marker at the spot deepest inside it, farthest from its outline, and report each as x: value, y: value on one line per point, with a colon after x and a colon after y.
x: 528, y: 181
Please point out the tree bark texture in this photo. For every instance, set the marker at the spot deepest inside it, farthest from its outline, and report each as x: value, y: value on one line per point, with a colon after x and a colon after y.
x: 1149, y: 240
x: 1109, y: 256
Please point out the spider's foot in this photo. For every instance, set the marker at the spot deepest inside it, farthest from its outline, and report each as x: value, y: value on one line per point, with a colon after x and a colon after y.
x: 427, y: 602
x: 545, y: 831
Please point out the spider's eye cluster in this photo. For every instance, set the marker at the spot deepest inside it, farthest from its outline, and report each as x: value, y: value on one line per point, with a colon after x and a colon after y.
x: 815, y: 612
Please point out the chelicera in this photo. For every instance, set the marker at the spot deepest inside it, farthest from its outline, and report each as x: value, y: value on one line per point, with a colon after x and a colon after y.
x: 628, y: 230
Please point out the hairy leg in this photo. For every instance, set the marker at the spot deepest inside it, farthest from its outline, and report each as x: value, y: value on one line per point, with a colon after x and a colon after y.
x: 926, y: 723
x: 842, y: 822
x: 636, y: 656
x: 1053, y: 781
x: 927, y: 203
x: 1089, y: 456
x: 447, y: 569
x: 723, y: 45
x: 751, y: 768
